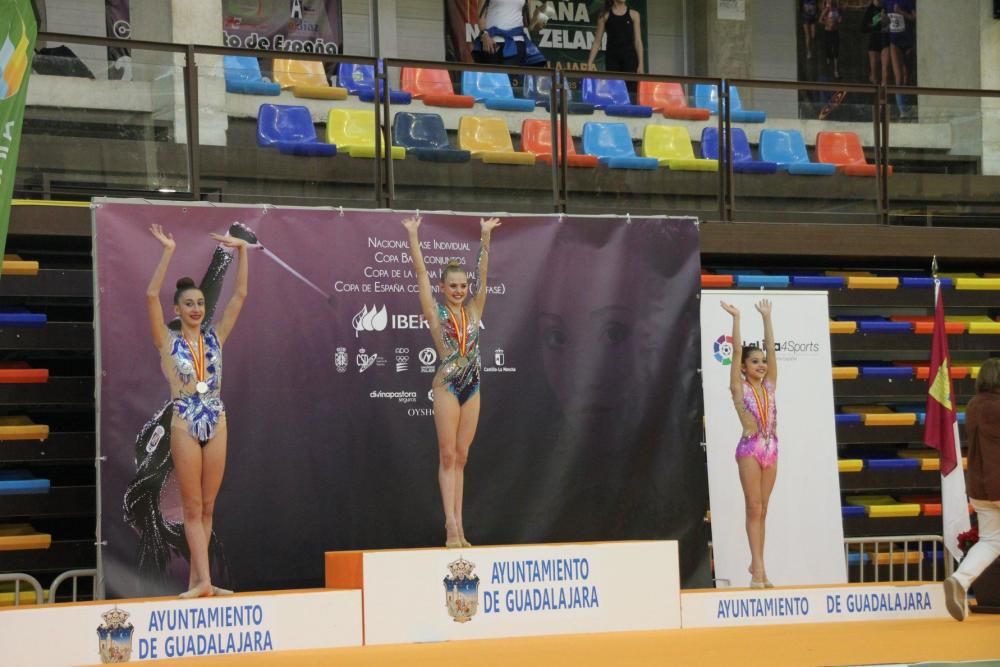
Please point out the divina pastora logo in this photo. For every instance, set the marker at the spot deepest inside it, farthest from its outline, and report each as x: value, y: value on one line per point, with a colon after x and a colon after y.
x: 13, y: 64
x: 722, y: 348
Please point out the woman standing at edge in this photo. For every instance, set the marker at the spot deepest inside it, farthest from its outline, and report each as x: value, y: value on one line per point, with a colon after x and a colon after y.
x: 982, y: 429
x: 752, y: 380
x: 623, y: 26
x: 455, y: 329
x: 191, y: 360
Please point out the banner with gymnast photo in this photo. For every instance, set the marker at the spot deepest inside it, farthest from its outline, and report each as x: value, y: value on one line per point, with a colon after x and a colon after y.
x: 804, y: 534
x: 590, y: 400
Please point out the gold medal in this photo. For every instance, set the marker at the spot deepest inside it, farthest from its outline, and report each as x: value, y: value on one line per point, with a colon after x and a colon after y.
x: 462, y: 334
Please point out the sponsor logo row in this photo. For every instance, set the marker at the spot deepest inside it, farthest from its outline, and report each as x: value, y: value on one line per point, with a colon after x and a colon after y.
x: 403, y: 360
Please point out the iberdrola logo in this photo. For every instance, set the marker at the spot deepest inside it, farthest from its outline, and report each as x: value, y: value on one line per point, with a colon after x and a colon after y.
x: 13, y: 63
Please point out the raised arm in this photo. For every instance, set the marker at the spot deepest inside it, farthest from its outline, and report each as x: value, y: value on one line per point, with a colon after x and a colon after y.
x: 764, y: 308
x: 637, y: 36
x: 153, y: 306
x: 235, y: 305
x: 487, y: 227
x: 427, y: 304
x: 598, y: 36
x: 735, y: 380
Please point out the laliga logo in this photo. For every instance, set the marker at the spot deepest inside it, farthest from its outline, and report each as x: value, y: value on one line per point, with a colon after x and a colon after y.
x: 722, y: 348
x: 370, y: 320
x: 13, y: 64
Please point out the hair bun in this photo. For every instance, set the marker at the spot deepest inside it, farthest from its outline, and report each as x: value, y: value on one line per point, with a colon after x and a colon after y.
x: 185, y: 283
x: 454, y: 264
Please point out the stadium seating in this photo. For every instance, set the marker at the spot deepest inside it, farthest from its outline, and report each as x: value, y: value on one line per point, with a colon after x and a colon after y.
x: 706, y: 96
x: 433, y: 87
x: 668, y: 98
x: 537, y: 88
x: 611, y: 95
x: 494, y: 90
x: 424, y: 136
x: 243, y: 76
x: 488, y: 139
x: 844, y: 150
x: 360, y: 80
x: 353, y: 131
x: 536, y: 137
x: 305, y: 78
x: 670, y: 145
x: 612, y: 144
x: 289, y: 129
x: 787, y: 149
x: 743, y: 161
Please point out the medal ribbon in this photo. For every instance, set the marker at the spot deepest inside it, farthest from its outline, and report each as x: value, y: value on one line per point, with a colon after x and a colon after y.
x: 199, y: 359
x: 461, y: 334
x: 762, y: 406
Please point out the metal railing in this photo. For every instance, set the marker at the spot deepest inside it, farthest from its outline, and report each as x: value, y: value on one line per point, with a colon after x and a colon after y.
x: 901, y: 554
x: 74, y: 577
x: 19, y: 579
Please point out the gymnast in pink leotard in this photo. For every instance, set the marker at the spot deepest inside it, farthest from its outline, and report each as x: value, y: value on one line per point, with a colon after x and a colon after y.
x: 753, y: 376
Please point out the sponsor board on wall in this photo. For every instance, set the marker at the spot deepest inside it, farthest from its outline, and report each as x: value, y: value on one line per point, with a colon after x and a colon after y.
x: 133, y: 631
x: 833, y: 604
x: 449, y: 594
x: 804, y: 529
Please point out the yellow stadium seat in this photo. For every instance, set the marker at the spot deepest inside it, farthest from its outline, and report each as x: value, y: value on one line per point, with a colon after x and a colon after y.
x: 845, y: 372
x: 306, y: 78
x: 20, y: 536
x: 13, y: 265
x: 977, y: 283
x: 22, y: 428
x: 900, y: 557
x: 488, y: 139
x: 850, y: 465
x: 968, y: 319
x: 353, y: 132
x: 843, y: 327
x: 870, y: 282
x: 891, y: 419
x: 984, y: 327
x: 899, y: 509
x: 671, y: 145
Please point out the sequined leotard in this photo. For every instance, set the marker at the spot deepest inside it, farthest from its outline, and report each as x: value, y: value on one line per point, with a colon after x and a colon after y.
x: 201, y: 412
x: 460, y: 374
x: 762, y: 444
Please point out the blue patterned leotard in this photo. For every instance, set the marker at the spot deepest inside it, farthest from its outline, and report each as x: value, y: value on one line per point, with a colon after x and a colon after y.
x: 461, y: 380
x: 201, y: 412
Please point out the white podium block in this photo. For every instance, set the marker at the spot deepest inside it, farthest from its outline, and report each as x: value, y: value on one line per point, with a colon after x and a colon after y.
x: 481, y: 592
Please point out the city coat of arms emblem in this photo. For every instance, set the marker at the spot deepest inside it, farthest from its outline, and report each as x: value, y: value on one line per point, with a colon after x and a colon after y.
x: 115, y: 637
x: 461, y: 589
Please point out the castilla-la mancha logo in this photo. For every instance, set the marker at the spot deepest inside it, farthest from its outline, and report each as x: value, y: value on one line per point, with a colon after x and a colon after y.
x: 461, y: 590
x: 114, y: 637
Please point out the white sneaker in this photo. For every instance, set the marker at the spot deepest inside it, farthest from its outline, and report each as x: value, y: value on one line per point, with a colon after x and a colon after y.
x: 954, y: 599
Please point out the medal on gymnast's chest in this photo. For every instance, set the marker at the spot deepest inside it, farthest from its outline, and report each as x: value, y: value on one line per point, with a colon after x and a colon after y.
x: 462, y: 335
x: 198, y: 360
x: 763, y: 402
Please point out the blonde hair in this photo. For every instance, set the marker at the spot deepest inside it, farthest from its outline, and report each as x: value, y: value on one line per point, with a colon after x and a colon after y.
x: 452, y: 265
x: 988, y: 379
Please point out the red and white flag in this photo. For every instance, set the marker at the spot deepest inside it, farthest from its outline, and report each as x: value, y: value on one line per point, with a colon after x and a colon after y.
x: 941, y: 433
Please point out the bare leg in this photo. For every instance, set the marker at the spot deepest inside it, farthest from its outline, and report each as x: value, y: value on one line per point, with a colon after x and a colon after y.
x: 446, y: 417
x: 467, y: 423
x: 873, y: 67
x: 750, y: 479
x: 186, y: 453
x: 806, y: 36
x: 767, y: 478
x: 213, y: 465
x: 885, y: 65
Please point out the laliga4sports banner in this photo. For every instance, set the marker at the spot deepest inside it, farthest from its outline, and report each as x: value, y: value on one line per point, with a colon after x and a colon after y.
x: 804, y: 536
x: 590, y: 407
x: 17, y: 45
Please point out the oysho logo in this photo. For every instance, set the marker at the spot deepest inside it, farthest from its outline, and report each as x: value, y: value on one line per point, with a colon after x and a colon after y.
x: 722, y: 348
x: 365, y: 361
x: 370, y: 320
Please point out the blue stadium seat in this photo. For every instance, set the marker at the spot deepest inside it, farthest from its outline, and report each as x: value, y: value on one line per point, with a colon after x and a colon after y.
x: 21, y: 481
x: 787, y: 148
x: 611, y: 95
x: 706, y: 96
x: 243, y: 76
x: 494, y: 89
x: 424, y: 135
x: 360, y: 80
x: 537, y: 88
x: 290, y: 129
x: 612, y: 144
x: 743, y: 161
x: 21, y: 317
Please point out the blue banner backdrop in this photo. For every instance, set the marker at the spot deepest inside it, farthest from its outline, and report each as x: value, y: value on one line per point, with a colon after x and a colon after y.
x: 590, y: 424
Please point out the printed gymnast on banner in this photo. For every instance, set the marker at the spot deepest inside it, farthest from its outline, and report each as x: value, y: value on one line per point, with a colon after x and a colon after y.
x: 191, y: 360
x: 454, y: 327
x: 753, y: 376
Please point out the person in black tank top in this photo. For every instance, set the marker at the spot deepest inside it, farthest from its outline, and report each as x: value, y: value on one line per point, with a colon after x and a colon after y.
x: 624, y: 48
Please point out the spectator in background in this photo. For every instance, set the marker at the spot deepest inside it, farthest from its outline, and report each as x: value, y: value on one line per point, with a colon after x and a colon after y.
x: 810, y: 13
x: 624, y: 49
x: 982, y: 428
x: 901, y: 15
x: 876, y: 23
x: 831, y: 18
x: 503, y: 37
